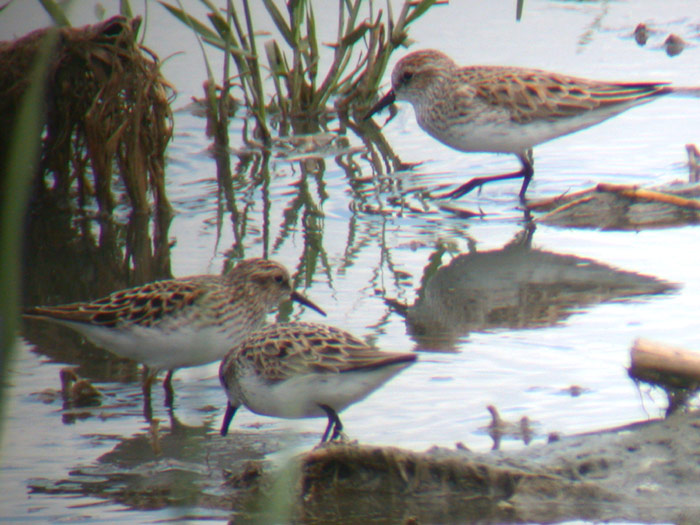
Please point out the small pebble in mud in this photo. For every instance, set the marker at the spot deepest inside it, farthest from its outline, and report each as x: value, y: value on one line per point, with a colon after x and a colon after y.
x: 641, y: 34
x: 575, y: 390
x: 249, y: 474
x: 674, y: 45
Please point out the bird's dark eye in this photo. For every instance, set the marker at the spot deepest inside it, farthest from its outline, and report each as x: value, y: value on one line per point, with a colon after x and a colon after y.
x: 406, y: 77
x: 279, y: 279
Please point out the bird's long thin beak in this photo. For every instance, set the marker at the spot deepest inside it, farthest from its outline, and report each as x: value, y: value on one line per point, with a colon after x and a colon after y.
x: 385, y: 101
x: 299, y: 298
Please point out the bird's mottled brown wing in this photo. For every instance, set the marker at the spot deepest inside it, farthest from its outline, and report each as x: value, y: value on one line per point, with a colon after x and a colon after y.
x: 285, y: 350
x: 141, y: 305
x: 531, y: 94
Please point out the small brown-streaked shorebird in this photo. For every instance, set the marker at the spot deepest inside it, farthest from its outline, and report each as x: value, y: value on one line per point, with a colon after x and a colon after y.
x: 499, y: 109
x: 299, y: 370
x: 176, y: 323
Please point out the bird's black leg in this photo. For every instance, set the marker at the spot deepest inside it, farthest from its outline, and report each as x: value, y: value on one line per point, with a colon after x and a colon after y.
x: 168, y: 386
x: 333, y: 423
x: 525, y: 172
x: 228, y: 417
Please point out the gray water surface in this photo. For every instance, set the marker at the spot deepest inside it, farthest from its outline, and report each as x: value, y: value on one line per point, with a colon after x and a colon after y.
x: 528, y: 324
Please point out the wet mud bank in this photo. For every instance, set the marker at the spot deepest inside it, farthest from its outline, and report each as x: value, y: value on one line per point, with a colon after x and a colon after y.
x: 647, y: 472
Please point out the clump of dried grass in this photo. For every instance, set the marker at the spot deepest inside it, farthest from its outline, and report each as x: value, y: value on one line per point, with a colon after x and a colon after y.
x: 106, y: 109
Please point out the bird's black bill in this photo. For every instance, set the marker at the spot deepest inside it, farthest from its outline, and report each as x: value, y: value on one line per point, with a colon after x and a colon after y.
x: 296, y: 296
x: 228, y: 417
x: 385, y: 101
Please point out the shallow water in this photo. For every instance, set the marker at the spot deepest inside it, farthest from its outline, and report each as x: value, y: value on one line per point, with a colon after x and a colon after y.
x: 523, y: 347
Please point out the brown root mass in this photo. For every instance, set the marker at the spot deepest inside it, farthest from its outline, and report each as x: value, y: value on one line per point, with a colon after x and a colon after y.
x: 106, y: 109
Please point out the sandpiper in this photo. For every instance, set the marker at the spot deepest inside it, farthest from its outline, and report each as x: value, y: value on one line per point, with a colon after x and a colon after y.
x: 501, y: 109
x: 176, y: 323
x: 298, y: 370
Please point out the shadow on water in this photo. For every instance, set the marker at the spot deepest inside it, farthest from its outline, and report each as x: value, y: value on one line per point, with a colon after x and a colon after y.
x: 174, y: 467
x: 516, y: 287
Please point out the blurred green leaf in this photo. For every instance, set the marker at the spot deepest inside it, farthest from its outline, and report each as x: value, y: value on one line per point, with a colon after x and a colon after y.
x: 225, y: 33
x: 22, y: 163
x: 311, y: 32
x: 275, y: 58
x: 125, y: 9
x: 56, y: 13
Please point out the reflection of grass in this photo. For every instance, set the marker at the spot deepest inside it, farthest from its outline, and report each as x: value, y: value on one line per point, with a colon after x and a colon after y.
x: 107, y: 115
x: 78, y: 102
x: 285, y: 88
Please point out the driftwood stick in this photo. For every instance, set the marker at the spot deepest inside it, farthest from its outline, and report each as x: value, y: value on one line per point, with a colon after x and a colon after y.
x: 634, y: 192
x: 548, y: 203
x: 565, y: 207
x: 664, y: 365
x: 674, y: 369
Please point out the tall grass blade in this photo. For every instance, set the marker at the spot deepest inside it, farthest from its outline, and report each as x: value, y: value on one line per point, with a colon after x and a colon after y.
x: 311, y: 25
x: 228, y: 39
x: 280, y: 22
x: 419, y: 10
x: 355, y: 35
x: 193, y: 23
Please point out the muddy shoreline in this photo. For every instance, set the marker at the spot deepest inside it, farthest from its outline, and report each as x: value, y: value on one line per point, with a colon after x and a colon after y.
x: 646, y: 472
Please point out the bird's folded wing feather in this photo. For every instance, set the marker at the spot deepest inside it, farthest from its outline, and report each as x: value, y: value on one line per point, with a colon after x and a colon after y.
x: 140, y: 305
x: 306, y: 349
x: 533, y: 94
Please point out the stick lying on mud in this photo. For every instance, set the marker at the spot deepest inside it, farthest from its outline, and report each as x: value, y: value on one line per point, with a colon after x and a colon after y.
x: 674, y: 369
x: 635, y: 192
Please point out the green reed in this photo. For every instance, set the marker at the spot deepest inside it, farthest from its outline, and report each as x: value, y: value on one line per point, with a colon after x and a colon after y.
x: 365, y: 39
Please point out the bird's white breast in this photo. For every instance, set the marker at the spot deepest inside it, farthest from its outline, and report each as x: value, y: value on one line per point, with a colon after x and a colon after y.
x: 300, y: 396
x: 163, y: 347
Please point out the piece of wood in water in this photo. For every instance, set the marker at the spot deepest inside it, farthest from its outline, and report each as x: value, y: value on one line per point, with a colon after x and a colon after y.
x: 664, y: 365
